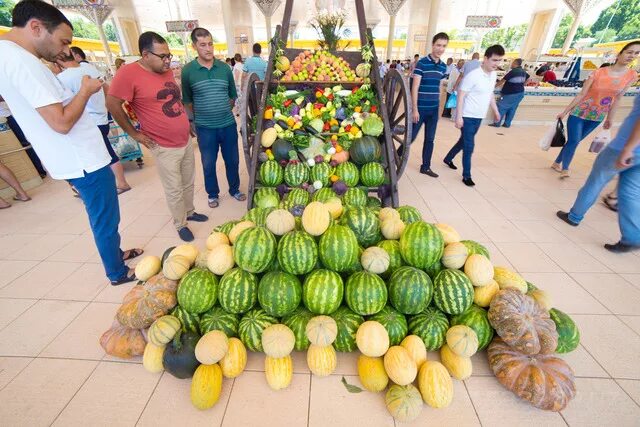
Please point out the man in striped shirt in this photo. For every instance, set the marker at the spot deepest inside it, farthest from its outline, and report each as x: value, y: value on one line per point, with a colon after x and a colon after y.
x: 425, y: 96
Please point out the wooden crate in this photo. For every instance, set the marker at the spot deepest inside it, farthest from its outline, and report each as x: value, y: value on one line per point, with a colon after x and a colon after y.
x: 18, y: 162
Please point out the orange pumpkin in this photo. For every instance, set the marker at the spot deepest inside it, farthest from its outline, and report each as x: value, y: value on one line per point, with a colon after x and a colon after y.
x: 144, y: 304
x: 123, y: 342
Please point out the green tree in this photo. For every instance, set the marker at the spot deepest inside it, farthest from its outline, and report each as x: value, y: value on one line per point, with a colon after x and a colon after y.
x: 622, y: 18
x: 563, y: 31
x: 6, y: 6
x: 88, y: 30
x: 509, y: 37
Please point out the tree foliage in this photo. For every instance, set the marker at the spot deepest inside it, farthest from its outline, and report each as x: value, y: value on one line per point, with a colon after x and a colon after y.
x: 509, y: 37
x: 563, y: 32
x: 625, y: 20
x: 6, y: 6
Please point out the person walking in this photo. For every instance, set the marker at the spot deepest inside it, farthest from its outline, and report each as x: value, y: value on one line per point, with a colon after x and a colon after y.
x: 620, y: 158
x: 58, y: 125
x: 255, y: 64
x: 597, y: 102
x: 209, y: 91
x: 475, y: 95
x: 469, y: 66
x: 151, y: 90
x: 238, y: 65
x: 450, y: 66
x: 453, y: 77
x: 512, y: 93
x: 7, y: 176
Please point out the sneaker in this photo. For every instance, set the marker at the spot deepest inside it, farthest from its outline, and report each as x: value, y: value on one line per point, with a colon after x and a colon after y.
x: 185, y: 234
x: 428, y: 171
x: 505, y: 126
x: 196, y: 217
x: 468, y: 182
x: 450, y: 164
x: 495, y: 125
x: 565, y: 217
x: 620, y: 247
x: 564, y: 174
x: 556, y: 167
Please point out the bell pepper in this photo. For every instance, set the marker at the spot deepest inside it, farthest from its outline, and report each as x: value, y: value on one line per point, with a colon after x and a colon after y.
x: 291, y: 121
x: 334, y: 178
x: 319, y: 94
x: 354, y: 130
x: 347, y: 128
x: 288, y: 102
x: 334, y: 137
x: 339, y: 149
x: 268, y: 114
x: 357, y: 109
x: 374, y: 109
x: 326, y: 127
x: 316, y: 112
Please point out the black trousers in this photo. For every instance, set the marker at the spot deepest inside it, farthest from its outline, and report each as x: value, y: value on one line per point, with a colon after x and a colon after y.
x: 23, y: 141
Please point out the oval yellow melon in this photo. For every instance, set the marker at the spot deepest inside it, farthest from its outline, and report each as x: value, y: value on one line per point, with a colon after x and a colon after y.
x: 216, y: 238
x: 187, y: 250
x: 449, y: 234
x: 479, y: 270
x: 175, y: 267
x: 335, y: 207
x: 280, y: 222
x: 220, y: 259
x: 148, y: 267
x: 372, y: 339
x: 483, y: 295
x: 388, y: 213
x: 321, y: 360
x: 372, y: 373
x: 206, y: 386
x: 400, y: 367
x: 375, y: 260
x: 462, y: 340
x: 509, y: 279
x: 454, y: 256
x: 278, y: 372
x: 316, y: 218
x: 322, y: 330
x: 416, y: 348
x: 392, y: 228
x: 152, y: 358
x: 234, y: 362
x: 278, y: 340
x: 435, y: 385
x: 459, y: 367
x: 239, y: 228
x: 404, y: 403
x: 211, y: 347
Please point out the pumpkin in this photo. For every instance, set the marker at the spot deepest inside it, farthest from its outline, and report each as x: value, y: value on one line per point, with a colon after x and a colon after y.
x: 278, y: 372
x: 234, y: 362
x: 206, y: 386
x: 372, y: 373
x: 392, y: 228
x: 269, y: 136
x: 483, y: 295
x: 375, y: 260
x: 179, y: 358
x: 544, y: 380
x: 148, y: 267
x: 449, y: 234
x: 541, y: 298
x: 454, y: 255
x: 321, y: 360
x: 220, y: 259
x: 152, y: 358
x: 316, y: 218
x: 278, y: 340
x: 435, y: 385
x: 416, y: 348
x: 400, y: 367
x: 122, y: 342
x: 280, y: 222
x: 522, y: 323
x: 212, y: 347
x: 509, y: 279
x: 404, y: 403
x: 216, y: 238
x: 335, y: 207
x: 144, y: 304
x: 239, y: 228
x: 459, y: 367
x: 462, y: 340
x: 322, y: 330
x: 388, y: 213
x: 163, y: 329
x: 187, y: 250
x: 340, y: 157
x: 478, y: 269
x: 175, y: 267
x: 372, y: 339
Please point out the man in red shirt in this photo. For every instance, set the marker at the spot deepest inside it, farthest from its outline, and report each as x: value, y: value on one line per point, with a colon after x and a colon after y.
x: 150, y: 88
x: 549, y: 76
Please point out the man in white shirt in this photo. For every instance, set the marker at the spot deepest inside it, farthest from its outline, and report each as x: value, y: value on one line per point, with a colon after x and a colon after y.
x: 57, y: 125
x: 475, y: 95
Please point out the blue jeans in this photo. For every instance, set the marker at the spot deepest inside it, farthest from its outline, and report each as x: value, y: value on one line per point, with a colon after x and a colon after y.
x: 210, y: 142
x: 577, y: 130
x: 100, y: 196
x: 603, y: 171
x: 507, y: 106
x: 465, y: 144
x: 430, y: 120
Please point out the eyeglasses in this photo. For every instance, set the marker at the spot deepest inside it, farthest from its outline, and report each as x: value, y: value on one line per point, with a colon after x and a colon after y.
x: 163, y: 57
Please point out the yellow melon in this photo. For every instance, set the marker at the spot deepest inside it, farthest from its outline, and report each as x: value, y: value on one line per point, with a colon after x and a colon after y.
x: 454, y: 256
x: 479, y: 270
x: 449, y: 234
x: 509, y: 279
x: 372, y: 373
x: 216, y: 238
x: 239, y: 228
x: 400, y: 366
x: 416, y: 348
x: 483, y: 295
x: 372, y: 339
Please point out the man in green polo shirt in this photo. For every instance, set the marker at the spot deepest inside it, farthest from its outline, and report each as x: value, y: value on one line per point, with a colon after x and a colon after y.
x: 208, y: 89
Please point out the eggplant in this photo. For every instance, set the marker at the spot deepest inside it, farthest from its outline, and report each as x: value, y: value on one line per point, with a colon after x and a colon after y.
x: 310, y: 129
x: 282, y: 124
x: 299, y: 132
x: 179, y: 358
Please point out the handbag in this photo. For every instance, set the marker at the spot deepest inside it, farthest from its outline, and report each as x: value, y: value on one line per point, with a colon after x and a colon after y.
x: 601, y: 139
x: 559, y: 138
x: 452, y: 101
x: 545, y: 141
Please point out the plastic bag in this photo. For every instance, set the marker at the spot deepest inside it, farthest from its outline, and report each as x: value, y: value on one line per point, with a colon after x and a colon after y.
x: 559, y: 138
x: 452, y: 101
x: 601, y: 139
x: 545, y: 141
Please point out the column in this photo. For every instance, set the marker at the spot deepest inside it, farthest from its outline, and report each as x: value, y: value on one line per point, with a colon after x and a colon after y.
x: 432, y: 28
x: 267, y: 20
x: 392, y: 30
x: 227, y: 16
x: 572, y: 33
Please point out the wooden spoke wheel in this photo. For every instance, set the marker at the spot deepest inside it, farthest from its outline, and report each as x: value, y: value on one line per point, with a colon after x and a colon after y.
x: 248, y: 115
x: 397, y: 102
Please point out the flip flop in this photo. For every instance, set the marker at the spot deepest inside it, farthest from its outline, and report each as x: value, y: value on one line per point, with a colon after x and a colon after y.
x: 214, y: 203
x: 129, y: 277
x: 18, y: 199
x: 131, y: 254
x: 5, y: 207
x: 123, y: 190
x: 240, y: 196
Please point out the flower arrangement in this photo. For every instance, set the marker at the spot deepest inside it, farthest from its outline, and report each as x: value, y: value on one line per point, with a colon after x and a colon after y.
x: 330, y: 28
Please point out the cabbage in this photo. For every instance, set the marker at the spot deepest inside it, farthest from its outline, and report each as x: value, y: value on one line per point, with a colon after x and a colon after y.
x: 315, y: 148
x: 317, y: 124
x: 373, y: 126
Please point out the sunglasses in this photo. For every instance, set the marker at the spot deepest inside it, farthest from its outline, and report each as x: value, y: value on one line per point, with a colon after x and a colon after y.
x: 163, y: 57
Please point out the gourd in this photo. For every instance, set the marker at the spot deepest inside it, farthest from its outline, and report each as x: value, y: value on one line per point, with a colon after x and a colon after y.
x: 375, y: 260
x: 454, y: 255
x: 483, y: 295
x: 179, y: 358
x: 449, y: 234
x: 316, y: 218
x: 122, y: 342
x: 220, y: 259
x: 400, y: 367
x: 462, y: 340
x: 278, y: 372
x: 163, y: 330
x: 392, y: 228
x: 416, y: 348
x: 211, y: 347
x: 216, y: 238
x: 187, y: 250
x: 280, y: 222
x: 175, y: 267
x: 152, y: 358
x: 321, y: 360
x: 206, y: 386
x: 372, y: 339
x: 278, y: 340
x: 459, y: 367
x: 148, y: 267
x: 144, y: 304
x: 234, y: 362
x: 435, y: 385
x: 404, y: 402
x: 239, y: 228
x: 269, y: 136
x: 372, y: 373
x: 479, y: 270
x: 322, y: 330
x: 388, y: 213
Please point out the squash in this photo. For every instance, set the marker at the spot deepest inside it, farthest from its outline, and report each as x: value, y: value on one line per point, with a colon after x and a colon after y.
x: 372, y: 339
x: 459, y: 367
x: 416, y: 348
x: 483, y: 295
x: 400, y: 367
x: 220, y: 259
x: 211, y: 347
x: 375, y: 260
x: 234, y: 362
x: 509, y: 279
x: 322, y: 330
x: 278, y: 372
x: 404, y: 403
x: 449, y: 234
x: 152, y: 358
x: 163, y: 329
x: 175, y: 267
x: 239, y: 228
x: 179, y: 358
x: 278, y: 340
x: 216, y: 238
x: 388, y: 213
x: 148, y: 267
x: 269, y: 136
x: 541, y: 298
x: 372, y: 373
x: 206, y: 386
x: 321, y: 360
x: 187, y: 250
x: 462, y: 340
x: 392, y: 228
x: 455, y: 255
x: 316, y: 218
x: 478, y: 269
x: 280, y: 222
x: 544, y: 380
x: 122, y: 342
x: 435, y: 385
x: 335, y: 207
x: 522, y: 323
x: 144, y: 304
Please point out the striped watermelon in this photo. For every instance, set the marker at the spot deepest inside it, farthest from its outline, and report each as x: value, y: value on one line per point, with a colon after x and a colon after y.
x: 431, y: 325
x: 251, y: 326
x: 409, y: 214
x: 434, y: 269
x: 364, y: 150
x: 323, y: 194
x: 279, y: 293
x: 476, y: 248
x: 392, y: 247
x: 355, y: 197
x: 453, y: 291
x: 568, y: 333
x: 421, y: 244
x: 365, y: 224
x: 295, y: 173
x: 321, y: 172
x: 298, y: 196
x: 394, y: 322
x: 297, y: 322
x: 365, y: 293
x: 374, y: 203
x: 372, y: 174
x: 270, y: 173
x: 297, y: 252
x: 254, y: 249
x: 410, y: 290
x: 477, y: 319
x: 322, y: 291
x: 356, y: 266
x: 348, y: 173
x: 348, y: 323
x: 258, y: 216
x: 198, y: 290
x: 226, y: 227
x: 219, y: 319
x: 338, y: 248
x: 238, y: 291
x: 263, y: 196
x: 190, y: 322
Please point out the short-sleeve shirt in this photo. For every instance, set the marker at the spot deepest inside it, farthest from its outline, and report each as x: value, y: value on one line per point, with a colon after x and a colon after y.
x: 71, y: 78
x: 257, y: 65
x: 624, y: 133
x: 549, y: 76
x: 514, y: 81
x: 469, y: 66
x: 598, y: 100
x: 156, y: 100
x: 26, y: 84
x: 209, y: 90
x: 430, y: 73
x: 478, y: 87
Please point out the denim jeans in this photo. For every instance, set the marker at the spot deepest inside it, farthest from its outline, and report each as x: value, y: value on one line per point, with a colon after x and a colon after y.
x: 210, y: 142
x: 577, y: 130
x: 603, y: 171
x: 430, y: 120
x: 100, y: 196
x: 465, y: 144
x: 507, y: 106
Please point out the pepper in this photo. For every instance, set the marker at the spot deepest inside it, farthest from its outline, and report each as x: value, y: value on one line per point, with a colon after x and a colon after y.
x: 268, y: 114
x: 347, y: 128
x: 326, y: 127
x: 288, y: 102
x: 374, y: 108
x: 357, y: 109
x: 319, y: 94
x: 330, y: 96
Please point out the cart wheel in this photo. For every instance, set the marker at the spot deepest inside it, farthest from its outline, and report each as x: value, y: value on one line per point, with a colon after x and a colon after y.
x: 396, y: 95
x: 248, y: 111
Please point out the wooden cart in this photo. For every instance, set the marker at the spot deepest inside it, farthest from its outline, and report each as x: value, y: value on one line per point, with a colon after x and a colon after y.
x: 393, y: 96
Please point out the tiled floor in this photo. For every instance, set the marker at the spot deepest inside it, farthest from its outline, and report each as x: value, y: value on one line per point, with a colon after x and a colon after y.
x: 55, y: 303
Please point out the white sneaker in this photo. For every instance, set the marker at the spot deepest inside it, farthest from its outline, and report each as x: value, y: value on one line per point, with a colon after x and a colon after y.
x: 556, y: 167
x: 564, y: 174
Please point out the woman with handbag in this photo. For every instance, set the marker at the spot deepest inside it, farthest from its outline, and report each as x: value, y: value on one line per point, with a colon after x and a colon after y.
x: 597, y: 102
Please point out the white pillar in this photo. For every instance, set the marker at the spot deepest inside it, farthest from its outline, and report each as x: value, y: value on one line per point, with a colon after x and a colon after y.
x: 227, y: 16
x: 432, y: 28
x: 267, y: 20
x: 392, y: 29
x: 572, y: 33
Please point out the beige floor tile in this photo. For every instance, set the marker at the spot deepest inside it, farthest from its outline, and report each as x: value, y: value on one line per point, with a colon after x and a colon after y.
x: 632, y: 321
x: 632, y: 387
x: 480, y: 364
x: 459, y: 413
x: 146, y: 225
x: 12, y: 308
x: 541, y: 232
x: 572, y: 258
x: 114, y: 294
x: 252, y: 402
x: 613, y: 291
x: 528, y: 257
x: 620, y: 263
x: 583, y: 364
x: 566, y: 293
x: 157, y: 245
x: 84, y: 284
x: 42, y: 247
x: 38, y: 281
x: 81, y: 249
x: 75, y: 224
x: 347, y: 363
x: 497, y: 257
x: 467, y: 228
x: 10, y: 367
x: 37, y: 395
x: 11, y: 270
x: 501, y: 230
x: 114, y: 394
x: 11, y: 242
x: 634, y: 279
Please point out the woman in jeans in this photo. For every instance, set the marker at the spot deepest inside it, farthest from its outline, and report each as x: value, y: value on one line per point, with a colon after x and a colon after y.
x: 597, y: 102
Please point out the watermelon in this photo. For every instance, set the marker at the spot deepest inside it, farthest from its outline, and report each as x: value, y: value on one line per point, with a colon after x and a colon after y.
x: 279, y: 293
x: 295, y: 173
x: 190, y: 322
x: 298, y: 196
x: 374, y: 203
x: 297, y: 252
x: 372, y: 174
x: 365, y: 293
x: 394, y: 322
x: 266, y: 197
x: 198, y: 290
x: 219, y: 319
x: 392, y: 247
x: 321, y: 172
x: 226, y: 227
x: 254, y: 249
x: 355, y: 197
x: 476, y: 248
x: 271, y: 173
x: 431, y: 326
x: 365, y: 150
x: 338, y: 248
x: 356, y: 266
x: 568, y: 333
x: 251, y: 326
x: 434, y: 269
x: 476, y: 318
x: 238, y: 291
x: 281, y: 149
x: 365, y: 224
x: 323, y: 194
x: 421, y: 244
x: 453, y: 291
x: 348, y: 173
x: 258, y: 215
x: 297, y: 322
x: 322, y: 291
x: 410, y: 290
x: 409, y: 214
x: 348, y: 323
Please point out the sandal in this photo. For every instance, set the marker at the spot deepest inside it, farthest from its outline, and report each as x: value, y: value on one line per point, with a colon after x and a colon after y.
x: 123, y: 190
x: 18, y: 199
x: 240, y: 196
x: 214, y: 203
x: 131, y: 254
x: 129, y: 277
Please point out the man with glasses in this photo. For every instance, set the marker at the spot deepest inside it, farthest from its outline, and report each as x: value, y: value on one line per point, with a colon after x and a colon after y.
x: 151, y: 90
